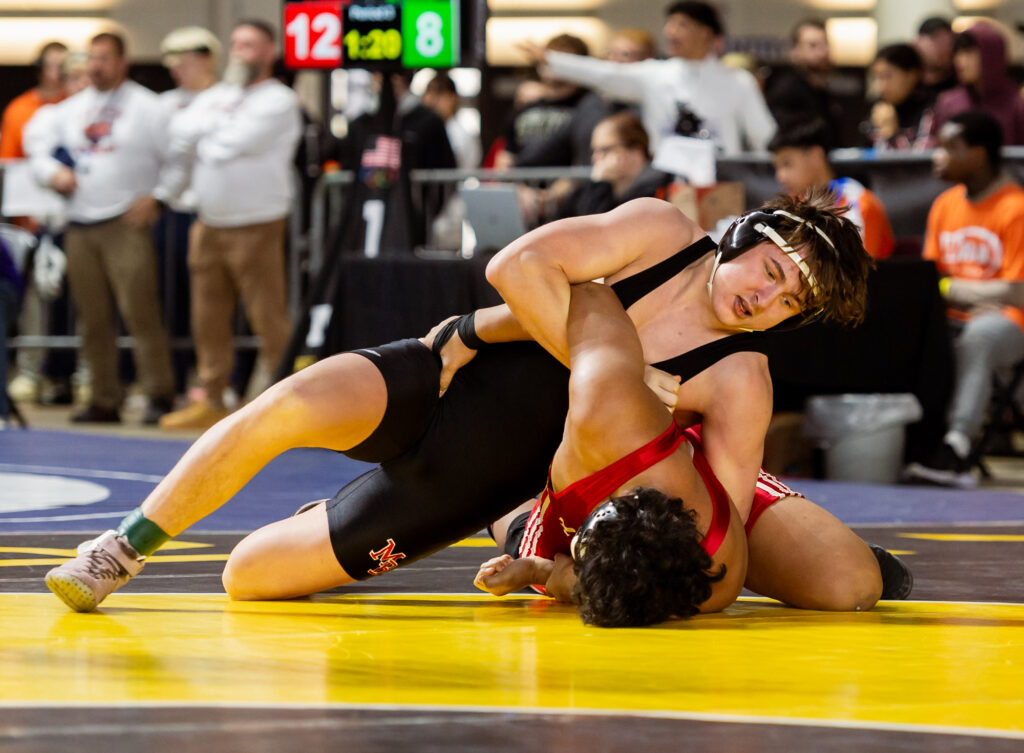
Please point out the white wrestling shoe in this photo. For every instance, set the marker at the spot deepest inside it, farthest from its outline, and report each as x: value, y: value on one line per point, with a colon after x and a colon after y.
x: 102, y: 566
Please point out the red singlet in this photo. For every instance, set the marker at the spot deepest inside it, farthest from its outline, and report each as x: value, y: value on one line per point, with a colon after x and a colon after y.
x: 556, y: 515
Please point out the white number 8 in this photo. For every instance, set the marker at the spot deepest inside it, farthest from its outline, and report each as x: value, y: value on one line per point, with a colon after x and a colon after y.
x: 429, y: 41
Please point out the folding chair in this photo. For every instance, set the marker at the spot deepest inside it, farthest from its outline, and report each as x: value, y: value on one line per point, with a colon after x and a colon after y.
x: 1004, y: 416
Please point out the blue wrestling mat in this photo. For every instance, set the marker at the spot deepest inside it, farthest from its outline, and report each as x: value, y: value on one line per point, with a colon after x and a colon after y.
x: 56, y: 481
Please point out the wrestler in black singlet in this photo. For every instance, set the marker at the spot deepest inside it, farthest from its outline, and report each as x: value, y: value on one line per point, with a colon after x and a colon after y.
x: 487, y: 444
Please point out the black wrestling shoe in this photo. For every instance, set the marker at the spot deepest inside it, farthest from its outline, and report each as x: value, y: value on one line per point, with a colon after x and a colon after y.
x: 96, y: 414
x: 897, y: 580
x: 944, y: 468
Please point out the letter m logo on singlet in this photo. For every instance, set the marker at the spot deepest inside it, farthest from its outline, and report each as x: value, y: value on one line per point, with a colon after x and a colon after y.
x: 387, y: 557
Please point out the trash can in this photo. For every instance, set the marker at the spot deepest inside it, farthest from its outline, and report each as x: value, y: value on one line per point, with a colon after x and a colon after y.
x: 861, y: 435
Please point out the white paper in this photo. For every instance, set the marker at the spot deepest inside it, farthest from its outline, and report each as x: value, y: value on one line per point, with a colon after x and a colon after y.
x: 692, y: 159
x: 24, y: 197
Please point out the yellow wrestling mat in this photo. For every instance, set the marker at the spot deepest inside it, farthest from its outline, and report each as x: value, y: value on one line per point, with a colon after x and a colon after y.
x: 932, y: 666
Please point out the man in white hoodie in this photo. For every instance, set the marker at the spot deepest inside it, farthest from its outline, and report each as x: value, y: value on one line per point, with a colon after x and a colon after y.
x: 691, y: 92
x: 103, y: 149
x: 237, y: 140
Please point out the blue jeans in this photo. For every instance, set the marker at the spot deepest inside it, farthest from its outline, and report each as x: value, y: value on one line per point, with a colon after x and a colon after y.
x: 8, y: 313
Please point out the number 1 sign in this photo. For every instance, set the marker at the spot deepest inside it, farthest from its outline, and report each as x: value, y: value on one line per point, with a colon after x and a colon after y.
x: 312, y: 34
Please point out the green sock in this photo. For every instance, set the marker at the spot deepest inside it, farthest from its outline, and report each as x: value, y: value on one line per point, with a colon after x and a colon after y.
x: 143, y: 534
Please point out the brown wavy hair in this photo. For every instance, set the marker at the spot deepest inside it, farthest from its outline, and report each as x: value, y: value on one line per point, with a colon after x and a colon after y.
x: 841, y: 272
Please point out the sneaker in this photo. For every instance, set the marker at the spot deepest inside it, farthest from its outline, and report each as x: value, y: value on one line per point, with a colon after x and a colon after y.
x: 309, y: 506
x: 945, y: 468
x: 96, y: 414
x: 157, y: 408
x: 200, y: 415
x: 897, y: 580
x: 102, y: 566
x: 23, y: 389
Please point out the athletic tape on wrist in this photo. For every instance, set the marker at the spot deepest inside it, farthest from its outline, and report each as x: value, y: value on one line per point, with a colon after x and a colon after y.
x: 467, y: 332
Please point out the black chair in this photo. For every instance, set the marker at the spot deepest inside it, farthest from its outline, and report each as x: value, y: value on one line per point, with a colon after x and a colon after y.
x: 1005, y: 415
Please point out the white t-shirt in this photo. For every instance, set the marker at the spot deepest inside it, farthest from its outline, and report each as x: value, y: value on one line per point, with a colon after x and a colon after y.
x: 237, y: 144
x: 116, y: 139
x: 728, y: 100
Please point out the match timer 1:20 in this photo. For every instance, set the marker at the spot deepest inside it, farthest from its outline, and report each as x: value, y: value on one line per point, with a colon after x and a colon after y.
x: 375, y: 35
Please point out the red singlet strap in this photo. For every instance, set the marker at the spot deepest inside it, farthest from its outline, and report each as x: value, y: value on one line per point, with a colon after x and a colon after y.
x: 598, y: 486
x: 720, y: 512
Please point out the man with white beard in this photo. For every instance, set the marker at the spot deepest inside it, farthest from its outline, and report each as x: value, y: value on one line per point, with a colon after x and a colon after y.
x: 236, y: 141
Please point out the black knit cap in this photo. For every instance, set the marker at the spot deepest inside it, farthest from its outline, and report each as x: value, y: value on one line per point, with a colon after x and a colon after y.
x: 703, y: 13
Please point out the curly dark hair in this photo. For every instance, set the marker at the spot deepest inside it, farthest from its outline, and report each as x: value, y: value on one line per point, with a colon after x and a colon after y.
x: 841, y: 272
x: 642, y: 565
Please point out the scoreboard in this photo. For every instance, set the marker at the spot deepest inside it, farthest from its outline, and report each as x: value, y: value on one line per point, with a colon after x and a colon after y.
x: 375, y: 34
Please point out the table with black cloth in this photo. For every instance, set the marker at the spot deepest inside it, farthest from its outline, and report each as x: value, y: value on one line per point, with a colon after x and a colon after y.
x: 902, y: 346
x: 379, y: 300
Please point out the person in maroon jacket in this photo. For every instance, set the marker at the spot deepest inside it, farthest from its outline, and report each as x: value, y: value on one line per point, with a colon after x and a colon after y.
x: 980, y: 60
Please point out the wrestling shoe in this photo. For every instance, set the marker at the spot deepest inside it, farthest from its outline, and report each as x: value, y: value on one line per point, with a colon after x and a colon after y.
x: 199, y: 415
x: 309, y: 506
x: 102, y: 566
x: 945, y: 468
x: 897, y: 580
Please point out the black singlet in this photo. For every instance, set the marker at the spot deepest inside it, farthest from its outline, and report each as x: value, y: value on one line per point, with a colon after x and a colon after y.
x: 487, y: 444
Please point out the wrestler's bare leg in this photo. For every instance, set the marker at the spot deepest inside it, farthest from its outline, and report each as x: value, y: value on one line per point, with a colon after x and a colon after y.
x: 335, y: 403
x: 290, y: 558
x: 804, y: 556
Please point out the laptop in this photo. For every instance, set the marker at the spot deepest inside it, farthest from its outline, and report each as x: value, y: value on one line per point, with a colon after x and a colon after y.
x: 493, y: 212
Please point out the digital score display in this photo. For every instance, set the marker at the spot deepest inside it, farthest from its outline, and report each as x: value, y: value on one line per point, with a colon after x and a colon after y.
x: 374, y: 35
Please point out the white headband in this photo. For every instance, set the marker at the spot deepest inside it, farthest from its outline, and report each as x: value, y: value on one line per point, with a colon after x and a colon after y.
x: 788, y: 250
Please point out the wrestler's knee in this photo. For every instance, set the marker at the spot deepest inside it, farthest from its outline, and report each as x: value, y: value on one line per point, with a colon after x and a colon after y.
x: 240, y: 574
x: 854, y: 588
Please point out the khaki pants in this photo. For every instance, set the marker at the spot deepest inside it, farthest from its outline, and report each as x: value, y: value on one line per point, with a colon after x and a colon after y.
x: 113, y: 264
x: 227, y: 264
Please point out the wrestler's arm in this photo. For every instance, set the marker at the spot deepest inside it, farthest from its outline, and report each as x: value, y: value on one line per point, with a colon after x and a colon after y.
x: 735, y: 420
x: 534, y: 273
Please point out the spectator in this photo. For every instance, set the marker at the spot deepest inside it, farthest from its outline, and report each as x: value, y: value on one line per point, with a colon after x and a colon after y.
x: 570, y: 144
x: 10, y: 290
x: 237, y: 138
x: 902, y: 116
x: 801, y: 162
x: 442, y: 97
x: 50, y: 89
x: 622, y: 168
x: 547, y: 120
x: 191, y: 55
x: 980, y: 60
x: 630, y: 45
x: 691, y: 93
x: 975, y: 232
x: 111, y: 136
x: 800, y: 93
x: 935, y: 44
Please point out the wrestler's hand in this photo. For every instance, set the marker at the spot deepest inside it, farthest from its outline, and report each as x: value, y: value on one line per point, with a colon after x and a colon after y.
x: 503, y: 575
x: 664, y: 385
x: 454, y: 353
x: 562, y: 579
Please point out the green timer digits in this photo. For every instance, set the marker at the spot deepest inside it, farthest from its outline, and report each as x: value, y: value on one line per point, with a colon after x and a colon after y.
x: 413, y: 34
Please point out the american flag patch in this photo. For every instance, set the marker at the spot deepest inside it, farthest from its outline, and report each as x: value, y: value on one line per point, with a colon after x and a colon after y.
x: 386, y: 152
